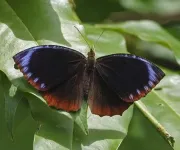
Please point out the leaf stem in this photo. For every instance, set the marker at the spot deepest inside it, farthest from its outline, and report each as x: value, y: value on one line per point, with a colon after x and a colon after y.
x: 153, y: 120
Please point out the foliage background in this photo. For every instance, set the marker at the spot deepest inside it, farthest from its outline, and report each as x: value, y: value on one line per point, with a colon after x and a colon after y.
x: 146, y: 28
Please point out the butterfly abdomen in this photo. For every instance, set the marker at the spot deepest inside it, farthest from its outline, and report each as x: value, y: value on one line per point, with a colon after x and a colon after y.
x: 86, y: 84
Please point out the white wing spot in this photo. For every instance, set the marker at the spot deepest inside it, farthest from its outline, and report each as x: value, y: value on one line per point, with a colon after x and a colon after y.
x: 43, y: 85
x: 146, y: 88
x: 152, y: 74
x: 133, y: 56
x: 150, y: 83
x: 29, y: 74
x: 36, y: 79
x: 25, y: 69
x: 138, y: 91
x: 130, y: 96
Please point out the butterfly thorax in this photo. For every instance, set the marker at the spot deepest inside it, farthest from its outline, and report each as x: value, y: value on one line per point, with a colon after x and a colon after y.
x: 90, y: 61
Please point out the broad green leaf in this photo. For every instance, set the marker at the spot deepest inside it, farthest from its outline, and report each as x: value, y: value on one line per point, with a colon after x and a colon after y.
x: 11, y: 104
x: 173, y: 28
x: 15, y: 117
x: 92, y: 11
x: 81, y: 121
x: 147, y: 31
x: 46, y: 138
x: 60, y: 124
x: 155, y: 52
x: 41, y: 143
x: 142, y: 131
x: 11, y: 98
x: 99, y: 38
x: 164, y: 105
x: 160, y: 7
x: 104, y: 132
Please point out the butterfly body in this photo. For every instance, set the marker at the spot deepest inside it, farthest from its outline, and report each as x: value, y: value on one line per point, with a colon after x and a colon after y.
x: 89, y: 67
x: 65, y: 77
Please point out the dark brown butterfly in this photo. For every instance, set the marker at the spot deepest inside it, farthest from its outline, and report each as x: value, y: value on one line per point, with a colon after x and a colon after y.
x: 65, y: 77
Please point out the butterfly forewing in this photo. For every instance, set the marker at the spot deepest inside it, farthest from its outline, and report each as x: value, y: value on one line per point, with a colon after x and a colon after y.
x: 129, y: 76
x: 46, y: 66
x: 57, y: 72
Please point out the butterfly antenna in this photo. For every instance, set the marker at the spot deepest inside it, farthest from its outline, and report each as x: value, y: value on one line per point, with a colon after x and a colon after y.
x: 83, y: 37
x: 98, y: 39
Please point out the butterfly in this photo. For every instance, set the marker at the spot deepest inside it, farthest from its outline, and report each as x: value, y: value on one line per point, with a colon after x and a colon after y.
x: 65, y: 77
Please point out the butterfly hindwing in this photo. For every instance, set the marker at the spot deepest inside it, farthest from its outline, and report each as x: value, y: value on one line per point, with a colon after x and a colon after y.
x: 129, y: 76
x: 46, y: 66
x: 102, y: 100
x: 57, y: 72
x: 68, y: 95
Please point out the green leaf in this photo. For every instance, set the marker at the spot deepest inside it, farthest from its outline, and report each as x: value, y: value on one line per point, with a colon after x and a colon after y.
x: 103, y: 45
x: 164, y: 104
x: 142, y: 131
x: 47, y: 139
x: 104, y: 132
x: 11, y: 104
x: 55, y: 125
x: 11, y: 98
x: 160, y: 7
x: 173, y: 28
x: 81, y: 121
x: 155, y: 52
x: 92, y: 11
x: 147, y: 31
x: 15, y: 119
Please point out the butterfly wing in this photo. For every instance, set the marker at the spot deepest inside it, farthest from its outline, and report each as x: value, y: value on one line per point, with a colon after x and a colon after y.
x: 68, y: 95
x: 127, y: 77
x: 55, y: 71
x: 102, y: 100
